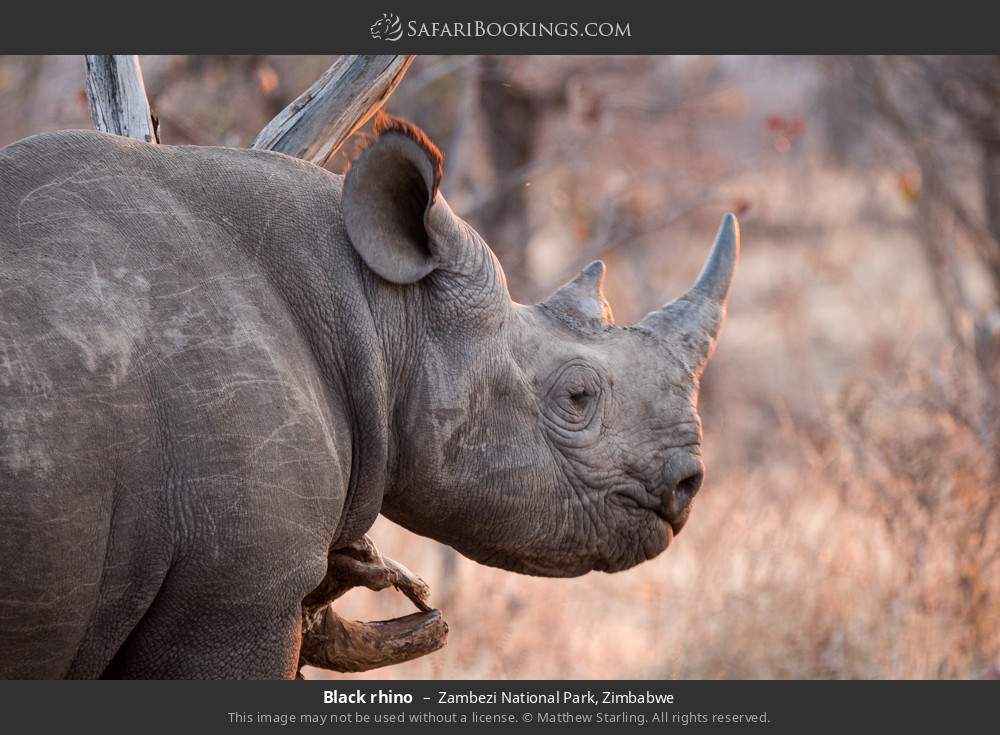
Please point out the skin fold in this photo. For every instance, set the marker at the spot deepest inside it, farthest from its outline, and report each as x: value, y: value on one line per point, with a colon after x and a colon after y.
x: 217, y: 365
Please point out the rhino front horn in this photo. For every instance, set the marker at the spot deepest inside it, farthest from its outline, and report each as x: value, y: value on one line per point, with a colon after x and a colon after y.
x: 691, y: 324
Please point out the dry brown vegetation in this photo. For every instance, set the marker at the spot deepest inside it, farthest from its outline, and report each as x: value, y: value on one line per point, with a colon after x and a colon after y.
x: 849, y: 523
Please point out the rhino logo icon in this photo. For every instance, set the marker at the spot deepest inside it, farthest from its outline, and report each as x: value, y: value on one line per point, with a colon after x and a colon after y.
x: 387, y: 28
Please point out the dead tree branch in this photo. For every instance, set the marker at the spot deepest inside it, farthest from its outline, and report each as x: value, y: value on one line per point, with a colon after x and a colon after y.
x: 317, y: 122
x: 117, y: 99
x: 331, y: 642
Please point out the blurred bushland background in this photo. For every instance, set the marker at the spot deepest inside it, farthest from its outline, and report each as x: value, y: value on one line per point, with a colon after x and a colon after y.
x: 849, y: 525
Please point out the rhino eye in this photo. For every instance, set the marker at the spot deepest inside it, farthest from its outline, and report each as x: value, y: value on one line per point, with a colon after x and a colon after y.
x: 574, y: 397
x: 580, y: 395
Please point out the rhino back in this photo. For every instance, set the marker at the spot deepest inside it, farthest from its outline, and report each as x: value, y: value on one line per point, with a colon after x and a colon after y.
x: 160, y: 408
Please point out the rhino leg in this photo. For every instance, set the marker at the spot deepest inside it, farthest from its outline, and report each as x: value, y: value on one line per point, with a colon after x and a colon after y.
x: 330, y: 642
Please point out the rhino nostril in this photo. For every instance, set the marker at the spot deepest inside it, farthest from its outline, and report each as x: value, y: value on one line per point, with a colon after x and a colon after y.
x: 676, y: 500
x: 688, y: 487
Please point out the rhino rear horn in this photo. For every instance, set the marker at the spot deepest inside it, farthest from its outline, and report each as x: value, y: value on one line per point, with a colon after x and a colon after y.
x: 692, y: 323
x: 581, y: 301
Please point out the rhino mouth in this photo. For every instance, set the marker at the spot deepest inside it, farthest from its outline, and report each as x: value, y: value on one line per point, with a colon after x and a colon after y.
x: 641, y: 501
x: 676, y: 522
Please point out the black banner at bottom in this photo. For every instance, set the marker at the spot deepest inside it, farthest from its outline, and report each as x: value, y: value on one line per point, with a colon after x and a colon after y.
x: 529, y: 706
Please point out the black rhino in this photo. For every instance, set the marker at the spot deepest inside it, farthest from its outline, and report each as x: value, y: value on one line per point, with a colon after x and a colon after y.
x: 216, y: 365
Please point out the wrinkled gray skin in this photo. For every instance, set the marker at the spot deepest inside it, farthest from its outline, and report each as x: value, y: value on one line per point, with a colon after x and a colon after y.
x: 215, y: 364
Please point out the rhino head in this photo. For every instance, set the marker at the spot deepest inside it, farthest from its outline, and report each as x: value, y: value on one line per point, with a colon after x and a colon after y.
x: 543, y: 439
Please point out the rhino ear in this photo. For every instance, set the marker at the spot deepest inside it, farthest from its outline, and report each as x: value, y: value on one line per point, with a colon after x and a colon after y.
x: 390, y: 197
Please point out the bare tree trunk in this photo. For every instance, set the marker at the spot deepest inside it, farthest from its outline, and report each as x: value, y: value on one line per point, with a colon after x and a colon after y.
x: 511, y: 116
x: 319, y: 120
x: 117, y: 99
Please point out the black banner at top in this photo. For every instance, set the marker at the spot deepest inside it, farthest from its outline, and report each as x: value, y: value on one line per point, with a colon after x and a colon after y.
x: 456, y: 27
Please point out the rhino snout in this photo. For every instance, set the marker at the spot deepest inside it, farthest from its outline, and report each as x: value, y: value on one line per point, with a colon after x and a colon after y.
x: 681, y: 482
